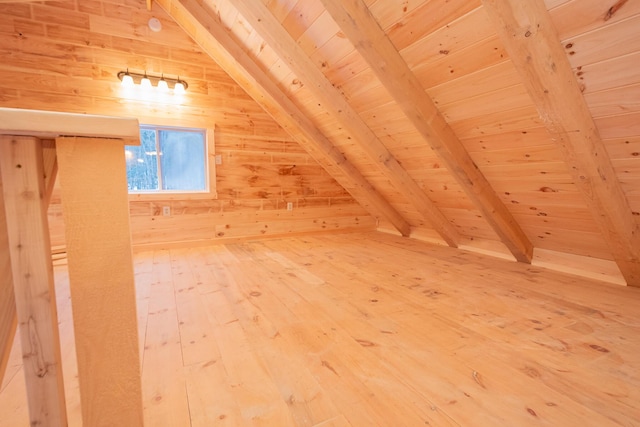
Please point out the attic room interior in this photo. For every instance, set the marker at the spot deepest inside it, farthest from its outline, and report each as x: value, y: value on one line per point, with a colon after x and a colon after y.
x: 320, y: 213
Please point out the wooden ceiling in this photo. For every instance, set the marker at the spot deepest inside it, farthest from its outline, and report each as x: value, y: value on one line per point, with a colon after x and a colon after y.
x: 498, y: 124
x: 496, y: 120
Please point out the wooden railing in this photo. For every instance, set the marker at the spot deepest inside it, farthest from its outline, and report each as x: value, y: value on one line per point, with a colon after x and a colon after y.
x: 87, y: 151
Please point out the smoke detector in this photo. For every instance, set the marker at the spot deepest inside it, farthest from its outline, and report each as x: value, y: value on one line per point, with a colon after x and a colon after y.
x: 155, y: 25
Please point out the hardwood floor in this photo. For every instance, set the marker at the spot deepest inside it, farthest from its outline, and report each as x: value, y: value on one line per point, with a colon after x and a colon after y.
x: 366, y: 330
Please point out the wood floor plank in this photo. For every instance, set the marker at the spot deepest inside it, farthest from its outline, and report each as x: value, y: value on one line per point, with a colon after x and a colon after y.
x: 163, y: 384
x: 143, y: 268
x: 441, y: 390
x: 480, y: 350
x: 371, y: 329
x: 254, y: 387
x: 307, y: 401
x: 197, y: 341
x: 343, y: 353
x: 211, y: 400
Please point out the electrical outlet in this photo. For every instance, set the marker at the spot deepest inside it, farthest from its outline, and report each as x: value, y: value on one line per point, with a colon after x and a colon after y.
x: 289, y: 206
x: 166, y: 211
x: 218, y: 159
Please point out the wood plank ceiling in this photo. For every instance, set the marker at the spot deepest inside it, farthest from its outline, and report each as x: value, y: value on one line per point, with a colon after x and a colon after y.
x: 501, y: 123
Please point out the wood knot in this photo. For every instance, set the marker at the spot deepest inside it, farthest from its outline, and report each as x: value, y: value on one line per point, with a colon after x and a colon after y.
x: 531, y: 372
x: 613, y: 9
x: 599, y: 348
x: 478, y: 379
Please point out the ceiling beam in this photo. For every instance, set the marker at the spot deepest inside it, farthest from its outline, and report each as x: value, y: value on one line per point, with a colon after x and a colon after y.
x: 357, y: 23
x: 206, y: 30
x: 532, y: 42
x: 335, y: 104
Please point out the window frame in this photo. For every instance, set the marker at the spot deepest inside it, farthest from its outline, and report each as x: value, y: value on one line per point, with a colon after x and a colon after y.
x: 209, y: 158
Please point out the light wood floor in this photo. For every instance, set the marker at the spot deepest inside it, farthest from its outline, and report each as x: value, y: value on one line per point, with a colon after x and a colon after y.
x: 366, y: 330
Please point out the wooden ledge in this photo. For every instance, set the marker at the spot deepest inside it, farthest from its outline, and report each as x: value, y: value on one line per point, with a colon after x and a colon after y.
x: 50, y: 124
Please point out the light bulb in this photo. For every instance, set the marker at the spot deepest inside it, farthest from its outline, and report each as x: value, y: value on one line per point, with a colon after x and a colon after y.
x: 179, y: 88
x: 162, y: 85
x: 145, y: 82
x: 127, y: 80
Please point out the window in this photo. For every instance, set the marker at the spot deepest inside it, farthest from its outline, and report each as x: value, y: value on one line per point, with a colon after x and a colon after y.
x: 168, y: 160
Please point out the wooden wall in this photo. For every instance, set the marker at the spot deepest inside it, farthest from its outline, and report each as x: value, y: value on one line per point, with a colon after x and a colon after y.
x: 64, y: 56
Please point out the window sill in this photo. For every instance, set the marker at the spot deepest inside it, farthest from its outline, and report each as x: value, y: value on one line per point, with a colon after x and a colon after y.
x: 144, y: 197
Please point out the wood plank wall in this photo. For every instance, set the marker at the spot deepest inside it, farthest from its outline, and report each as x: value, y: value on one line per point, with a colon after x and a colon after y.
x: 257, y: 178
x: 64, y: 56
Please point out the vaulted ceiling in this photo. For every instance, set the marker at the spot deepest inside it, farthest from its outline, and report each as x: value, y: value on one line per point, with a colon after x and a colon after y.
x: 496, y: 120
x: 504, y: 125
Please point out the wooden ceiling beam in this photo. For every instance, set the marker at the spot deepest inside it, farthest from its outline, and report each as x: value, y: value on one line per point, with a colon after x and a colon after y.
x: 335, y: 104
x: 357, y: 23
x: 206, y: 30
x: 532, y: 42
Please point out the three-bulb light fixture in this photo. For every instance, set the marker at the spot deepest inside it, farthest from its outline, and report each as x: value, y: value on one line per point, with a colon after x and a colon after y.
x: 147, y: 81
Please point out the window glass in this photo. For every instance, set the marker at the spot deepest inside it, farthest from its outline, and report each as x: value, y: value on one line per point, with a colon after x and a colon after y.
x: 183, y: 160
x: 142, y: 163
x: 168, y: 159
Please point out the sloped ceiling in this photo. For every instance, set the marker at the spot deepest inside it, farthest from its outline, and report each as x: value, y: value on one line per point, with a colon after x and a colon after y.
x: 501, y: 123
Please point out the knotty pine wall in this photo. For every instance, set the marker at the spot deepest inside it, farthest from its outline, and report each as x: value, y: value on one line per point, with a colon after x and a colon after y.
x: 64, y: 56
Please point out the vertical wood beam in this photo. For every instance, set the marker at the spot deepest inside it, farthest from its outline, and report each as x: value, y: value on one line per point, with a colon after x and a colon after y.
x: 8, y: 315
x: 355, y: 20
x: 95, y: 208
x: 50, y: 167
x: 268, y: 27
x: 532, y: 42
x: 23, y: 188
x: 198, y: 22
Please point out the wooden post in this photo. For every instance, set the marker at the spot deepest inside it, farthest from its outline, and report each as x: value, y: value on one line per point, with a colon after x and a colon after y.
x: 8, y: 315
x: 8, y: 319
x: 30, y: 251
x: 96, y: 214
x: 50, y: 167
